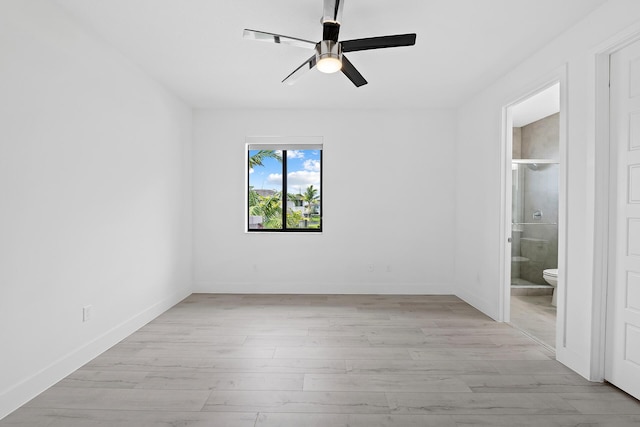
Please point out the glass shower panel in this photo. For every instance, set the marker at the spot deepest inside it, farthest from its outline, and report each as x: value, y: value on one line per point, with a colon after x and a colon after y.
x: 534, y: 227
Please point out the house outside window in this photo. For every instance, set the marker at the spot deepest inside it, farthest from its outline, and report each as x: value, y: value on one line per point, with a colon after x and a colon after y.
x: 284, y: 184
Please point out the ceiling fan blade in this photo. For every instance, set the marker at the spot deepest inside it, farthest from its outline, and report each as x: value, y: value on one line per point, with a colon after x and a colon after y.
x: 299, y: 72
x: 378, y: 42
x: 332, y: 11
x: 350, y: 71
x: 277, y: 38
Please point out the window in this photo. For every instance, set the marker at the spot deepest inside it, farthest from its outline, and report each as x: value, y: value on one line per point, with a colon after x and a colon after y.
x: 284, y: 186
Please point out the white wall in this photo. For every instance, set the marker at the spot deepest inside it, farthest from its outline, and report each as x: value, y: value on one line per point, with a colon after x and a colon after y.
x: 478, y: 177
x: 95, y: 198
x: 388, y: 200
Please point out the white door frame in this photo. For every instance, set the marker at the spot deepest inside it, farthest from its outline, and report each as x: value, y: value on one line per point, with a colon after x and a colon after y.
x: 557, y: 76
x: 603, y: 182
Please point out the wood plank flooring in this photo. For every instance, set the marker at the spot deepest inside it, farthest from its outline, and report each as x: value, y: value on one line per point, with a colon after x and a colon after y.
x: 339, y: 360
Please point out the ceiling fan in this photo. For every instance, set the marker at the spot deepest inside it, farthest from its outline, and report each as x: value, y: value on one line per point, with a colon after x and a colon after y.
x: 329, y: 52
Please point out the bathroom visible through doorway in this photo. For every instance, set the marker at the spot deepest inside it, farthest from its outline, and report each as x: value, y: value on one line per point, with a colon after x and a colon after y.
x: 534, y: 214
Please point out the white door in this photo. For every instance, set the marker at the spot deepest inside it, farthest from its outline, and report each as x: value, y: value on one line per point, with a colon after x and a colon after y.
x: 623, y: 311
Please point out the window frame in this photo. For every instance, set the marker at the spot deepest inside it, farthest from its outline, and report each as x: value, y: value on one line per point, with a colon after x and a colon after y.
x: 283, y: 144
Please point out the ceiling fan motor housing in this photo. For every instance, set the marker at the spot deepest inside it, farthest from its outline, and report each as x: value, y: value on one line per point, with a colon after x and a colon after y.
x: 330, y: 31
x: 328, y: 49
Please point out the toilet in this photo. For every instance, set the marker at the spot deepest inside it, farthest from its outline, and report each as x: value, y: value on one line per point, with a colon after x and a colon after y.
x: 551, y: 277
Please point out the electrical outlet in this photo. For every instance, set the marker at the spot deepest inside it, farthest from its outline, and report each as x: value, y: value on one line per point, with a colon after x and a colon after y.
x: 87, y: 312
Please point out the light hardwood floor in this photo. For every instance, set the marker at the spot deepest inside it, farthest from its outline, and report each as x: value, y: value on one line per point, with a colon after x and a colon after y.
x: 311, y: 361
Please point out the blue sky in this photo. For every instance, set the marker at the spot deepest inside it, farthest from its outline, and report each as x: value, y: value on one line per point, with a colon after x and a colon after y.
x: 304, y: 170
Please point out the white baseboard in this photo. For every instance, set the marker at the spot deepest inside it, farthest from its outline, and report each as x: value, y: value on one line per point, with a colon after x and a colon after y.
x: 374, y: 288
x: 19, y: 394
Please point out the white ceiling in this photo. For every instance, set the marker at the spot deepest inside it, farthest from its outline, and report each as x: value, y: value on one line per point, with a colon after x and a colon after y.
x: 538, y: 106
x: 195, y: 47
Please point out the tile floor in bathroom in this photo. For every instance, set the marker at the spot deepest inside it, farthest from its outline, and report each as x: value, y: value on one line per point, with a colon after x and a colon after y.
x: 534, y: 314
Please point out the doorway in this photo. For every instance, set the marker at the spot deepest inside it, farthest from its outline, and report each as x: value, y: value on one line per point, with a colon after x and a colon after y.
x: 532, y: 213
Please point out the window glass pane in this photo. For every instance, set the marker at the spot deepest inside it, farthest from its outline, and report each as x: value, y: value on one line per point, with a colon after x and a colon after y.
x: 303, y: 189
x: 265, y: 189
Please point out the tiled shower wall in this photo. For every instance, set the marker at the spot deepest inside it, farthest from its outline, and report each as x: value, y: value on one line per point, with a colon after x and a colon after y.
x: 541, y: 139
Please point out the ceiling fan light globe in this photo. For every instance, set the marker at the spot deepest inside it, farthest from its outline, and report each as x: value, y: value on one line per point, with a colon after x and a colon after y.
x: 329, y: 65
x: 328, y: 56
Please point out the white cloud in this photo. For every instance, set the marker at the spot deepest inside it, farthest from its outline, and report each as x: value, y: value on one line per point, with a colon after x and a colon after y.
x: 295, y: 154
x: 300, y: 180
x: 312, y: 165
x: 275, y: 178
x: 250, y: 170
